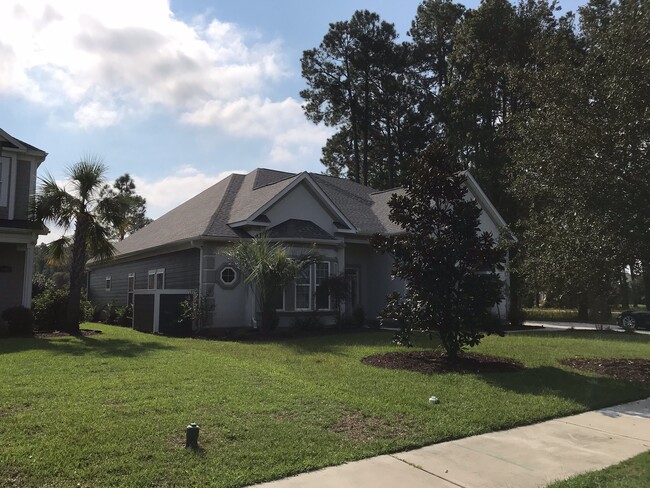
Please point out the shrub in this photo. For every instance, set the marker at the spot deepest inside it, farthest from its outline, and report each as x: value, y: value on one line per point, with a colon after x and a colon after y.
x: 50, y: 309
x: 40, y: 283
x: 112, y: 314
x: 308, y: 322
x: 20, y: 321
x: 358, y: 317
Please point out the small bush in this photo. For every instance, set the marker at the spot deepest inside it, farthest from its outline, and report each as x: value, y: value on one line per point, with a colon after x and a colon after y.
x: 20, y: 321
x: 112, y: 314
x: 358, y: 317
x: 50, y: 308
x: 308, y: 322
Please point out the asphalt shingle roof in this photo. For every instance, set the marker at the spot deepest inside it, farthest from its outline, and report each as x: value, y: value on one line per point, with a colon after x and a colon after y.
x: 237, y: 197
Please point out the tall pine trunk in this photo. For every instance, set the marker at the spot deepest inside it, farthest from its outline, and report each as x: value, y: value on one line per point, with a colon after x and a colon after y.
x: 625, y: 291
x: 645, y: 264
x: 583, y: 306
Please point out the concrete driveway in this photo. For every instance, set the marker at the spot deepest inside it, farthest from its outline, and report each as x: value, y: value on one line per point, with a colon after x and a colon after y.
x: 576, y: 325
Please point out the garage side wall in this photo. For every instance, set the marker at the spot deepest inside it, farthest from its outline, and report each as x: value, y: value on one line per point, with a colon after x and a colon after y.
x: 181, y: 271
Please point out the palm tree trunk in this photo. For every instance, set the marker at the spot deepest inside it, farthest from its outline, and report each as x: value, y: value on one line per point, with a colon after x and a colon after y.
x: 73, y: 315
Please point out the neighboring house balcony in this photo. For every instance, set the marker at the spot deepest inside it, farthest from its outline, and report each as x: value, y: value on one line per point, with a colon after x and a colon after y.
x: 19, y: 162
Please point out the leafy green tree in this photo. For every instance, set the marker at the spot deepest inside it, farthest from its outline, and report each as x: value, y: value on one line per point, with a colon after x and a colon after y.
x: 580, y: 160
x: 266, y: 265
x: 359, y: 81
x: 135, y: 206
x: 88, y: 215
x: 449, y: 265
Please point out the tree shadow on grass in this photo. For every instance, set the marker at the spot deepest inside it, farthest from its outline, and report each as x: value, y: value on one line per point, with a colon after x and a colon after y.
x: 588, y: 391
x: 80, y: 346
x: 337, y: 343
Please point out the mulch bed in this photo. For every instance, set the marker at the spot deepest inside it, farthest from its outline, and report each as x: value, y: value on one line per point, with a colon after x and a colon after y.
x: 429, y: 362
x: 622, y: 369
x: 59, y: 333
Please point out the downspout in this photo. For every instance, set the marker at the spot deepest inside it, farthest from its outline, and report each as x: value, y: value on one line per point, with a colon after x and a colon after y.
x: 199, y: 246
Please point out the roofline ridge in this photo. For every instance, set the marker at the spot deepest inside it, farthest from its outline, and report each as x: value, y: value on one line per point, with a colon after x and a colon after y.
x: 387, y: 190
x: 293, y: 175
x: 223, y: 199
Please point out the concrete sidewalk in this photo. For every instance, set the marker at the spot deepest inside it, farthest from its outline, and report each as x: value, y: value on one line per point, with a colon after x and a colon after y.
x: 530, y: 456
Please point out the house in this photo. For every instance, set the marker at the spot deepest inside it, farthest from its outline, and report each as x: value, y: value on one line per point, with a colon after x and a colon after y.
x: 18, y: 233
x: 183, y: 250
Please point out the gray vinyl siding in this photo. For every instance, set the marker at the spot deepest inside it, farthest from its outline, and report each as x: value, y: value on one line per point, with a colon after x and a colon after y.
x: 21, y: 209
x: 11, y: 278
x: 181, y: 271
x: 4, y: 211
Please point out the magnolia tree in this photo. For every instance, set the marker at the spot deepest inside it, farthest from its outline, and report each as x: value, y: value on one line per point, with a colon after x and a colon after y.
x: 450, y: 267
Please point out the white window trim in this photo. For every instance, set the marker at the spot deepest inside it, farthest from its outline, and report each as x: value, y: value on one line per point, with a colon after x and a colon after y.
x: 228, y: 283
x: 155, y: 273
x: 311, y: 292
x: 108, y: 284
x: 316, y: 285
x: 130, y: 293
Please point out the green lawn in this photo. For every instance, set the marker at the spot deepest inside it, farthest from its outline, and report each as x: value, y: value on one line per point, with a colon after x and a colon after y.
x: 110, y: 410
x: 633, y: 473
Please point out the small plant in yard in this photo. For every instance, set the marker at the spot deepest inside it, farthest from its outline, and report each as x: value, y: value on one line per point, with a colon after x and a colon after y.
x: 449, y: 265
x: 194, y: 309
x: 266, y: 265
x: 50, y: 307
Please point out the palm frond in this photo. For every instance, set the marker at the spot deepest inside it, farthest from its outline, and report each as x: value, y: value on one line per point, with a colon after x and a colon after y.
x: 98, y: 241
x: 113, y: 209
x: 87, y: 176
x: 53, y: 203
x: 56, y: 250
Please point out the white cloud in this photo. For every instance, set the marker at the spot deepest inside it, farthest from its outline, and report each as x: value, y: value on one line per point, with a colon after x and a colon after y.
x: 108, y: 60
x: 94, y: 114
x: 170, y: 191
x: 163, y: 194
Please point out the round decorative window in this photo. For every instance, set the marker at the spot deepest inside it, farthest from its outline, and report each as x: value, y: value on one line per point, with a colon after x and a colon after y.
x: 228, y: 275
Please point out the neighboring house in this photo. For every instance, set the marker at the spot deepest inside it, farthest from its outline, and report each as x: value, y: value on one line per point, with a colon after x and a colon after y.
x: 184, y: 249
x: 18, y: 233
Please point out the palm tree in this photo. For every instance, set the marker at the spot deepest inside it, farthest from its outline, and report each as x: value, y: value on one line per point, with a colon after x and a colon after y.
x: 85, y: 212
x: 266, y: 265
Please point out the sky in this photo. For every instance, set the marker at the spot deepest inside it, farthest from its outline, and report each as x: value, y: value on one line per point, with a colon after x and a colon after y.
x: 178, y: 94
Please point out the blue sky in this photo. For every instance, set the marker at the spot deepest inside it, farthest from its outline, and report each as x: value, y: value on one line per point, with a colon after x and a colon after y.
x: 177, y: 94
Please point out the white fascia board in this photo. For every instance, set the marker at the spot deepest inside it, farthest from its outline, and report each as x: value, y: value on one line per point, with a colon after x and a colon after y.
x: 25, y: 237
x: 21, y: 148
x: 485, y: 203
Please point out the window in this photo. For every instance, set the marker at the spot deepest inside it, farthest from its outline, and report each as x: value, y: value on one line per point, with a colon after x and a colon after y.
x: 108, y: 283
x: 228, y: 275
x: 310, y: 283
x: 130, y: 287
x: 278, y: 298
x: 4, y: 181
x: 322, y: 293
x: 303, y: 289
x: 156, y: 279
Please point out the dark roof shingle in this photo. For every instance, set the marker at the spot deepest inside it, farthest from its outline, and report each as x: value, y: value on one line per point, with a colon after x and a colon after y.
x: 237, y: 197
